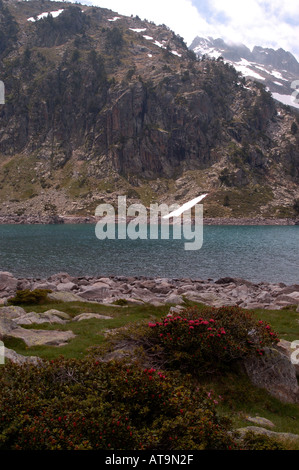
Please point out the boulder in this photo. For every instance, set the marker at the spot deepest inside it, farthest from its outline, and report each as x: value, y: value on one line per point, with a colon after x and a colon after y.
x: 65, y: 297
x: 290, y: 289
x: 264, y: 297
x: 7, y: 326
x: 162, y: 288
x: 44, y: 285
x: 96, y: 291
x: 261, y: 421
x: 88, y: 316
x: 241, y: 292
x: 225, y: 280
x: 61, y: 277
x: 173, y: 299
x: 12, y: 312
x: 8, y: 283
x: 149, y: 284
x: 275, y: 373
x: 42, y: 337
x: 107, y: 280
x: 19, y: 359
x: 267, y: 432
x: 39, y: 318
x: 285, y: 348
x: 176, y: 310
x: 66, y: 286
x: 253, y: 305
x: 57, y: 313
x: 292, y: 299
x: 24, y: 284
x: 130, y: 300
x: 186, y: 288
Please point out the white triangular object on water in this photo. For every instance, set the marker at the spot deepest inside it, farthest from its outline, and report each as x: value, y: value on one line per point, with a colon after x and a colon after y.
x: 185, y: 207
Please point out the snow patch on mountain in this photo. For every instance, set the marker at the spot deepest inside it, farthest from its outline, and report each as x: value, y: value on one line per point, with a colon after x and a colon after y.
x: 54, y: 14
x: 286, y: 99
x: 138, y: 30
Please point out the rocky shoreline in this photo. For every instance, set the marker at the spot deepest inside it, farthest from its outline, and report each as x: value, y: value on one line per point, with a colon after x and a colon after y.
x: 157, y: 291
x: 73, y: 219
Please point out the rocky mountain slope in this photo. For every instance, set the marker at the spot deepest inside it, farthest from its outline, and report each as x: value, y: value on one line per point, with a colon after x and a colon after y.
x: 276, y: 69
x: 99, y: 105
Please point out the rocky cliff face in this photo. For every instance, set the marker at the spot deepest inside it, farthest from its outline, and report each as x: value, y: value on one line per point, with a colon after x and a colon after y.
x: 98, y: 104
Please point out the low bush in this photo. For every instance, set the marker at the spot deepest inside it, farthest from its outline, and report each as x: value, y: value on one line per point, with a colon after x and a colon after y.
x: 210, y: 339
x: 253, y: 441
x: 86, y: 404
x: 26, y: 296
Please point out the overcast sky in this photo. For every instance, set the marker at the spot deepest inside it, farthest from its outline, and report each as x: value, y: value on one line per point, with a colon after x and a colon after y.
x: 268, y: 23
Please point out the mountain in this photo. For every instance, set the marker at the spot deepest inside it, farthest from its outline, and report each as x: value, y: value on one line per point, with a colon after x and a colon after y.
x: 276, y: 69
x: 99, y: 105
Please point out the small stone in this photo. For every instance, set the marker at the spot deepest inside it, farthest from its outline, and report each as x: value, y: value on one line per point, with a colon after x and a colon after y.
x: 261, y: 421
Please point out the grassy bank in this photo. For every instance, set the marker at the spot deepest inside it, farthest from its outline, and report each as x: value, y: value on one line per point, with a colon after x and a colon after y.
x: 240, y: 398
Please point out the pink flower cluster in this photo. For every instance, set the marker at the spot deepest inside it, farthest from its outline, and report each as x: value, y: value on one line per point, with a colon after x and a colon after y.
x: 192, y: 324
x: 150, y: 373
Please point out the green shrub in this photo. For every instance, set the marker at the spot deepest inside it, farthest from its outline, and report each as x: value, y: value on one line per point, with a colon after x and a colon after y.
x: 296, y: 206
x: 120, y: 302
x: 37, y: 296
x: 86, y: 404
x: 252, y: 441
x: 294, y: 128
x: 207, y: 340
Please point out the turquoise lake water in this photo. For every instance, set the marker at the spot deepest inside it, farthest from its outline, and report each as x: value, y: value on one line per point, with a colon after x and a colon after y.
x: 256, y: 253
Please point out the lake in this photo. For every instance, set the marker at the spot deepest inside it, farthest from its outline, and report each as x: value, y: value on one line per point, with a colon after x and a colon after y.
x: 255, y: 253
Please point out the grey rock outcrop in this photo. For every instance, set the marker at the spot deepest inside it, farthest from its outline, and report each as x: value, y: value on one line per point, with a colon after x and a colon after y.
x: 267, y: 432
x: 275, y: 373
x: 13, y: 312
x: 43, y: 337
x: 260, y: 421
x: 8, y: 283
x: 9, y: 328
x: 16, y: 358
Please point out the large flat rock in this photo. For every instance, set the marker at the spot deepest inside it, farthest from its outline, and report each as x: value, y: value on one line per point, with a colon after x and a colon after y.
x: 9, y: 328
x: 43, y: 337
x: 88, y: 316
x: 65, y: 297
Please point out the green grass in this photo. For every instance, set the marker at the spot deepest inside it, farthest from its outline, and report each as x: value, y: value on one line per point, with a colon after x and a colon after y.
x: 88, y: 332
x: 241, y: 399
x: 285, y: 322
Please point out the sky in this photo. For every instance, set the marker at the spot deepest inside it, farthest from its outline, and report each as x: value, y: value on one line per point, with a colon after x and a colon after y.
x: 266, y: 23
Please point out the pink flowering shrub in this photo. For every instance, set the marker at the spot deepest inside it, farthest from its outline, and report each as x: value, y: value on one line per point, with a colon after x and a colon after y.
x: 90, y: 405
x: 209, y: 339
